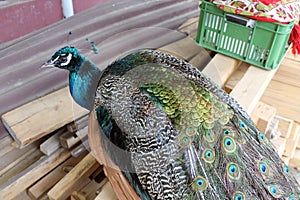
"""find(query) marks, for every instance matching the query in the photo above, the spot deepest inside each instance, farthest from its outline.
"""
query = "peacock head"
(65, 58)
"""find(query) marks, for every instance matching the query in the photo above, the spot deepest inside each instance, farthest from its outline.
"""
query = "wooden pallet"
(64, 169)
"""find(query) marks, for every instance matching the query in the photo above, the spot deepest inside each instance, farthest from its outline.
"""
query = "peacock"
(184, 136)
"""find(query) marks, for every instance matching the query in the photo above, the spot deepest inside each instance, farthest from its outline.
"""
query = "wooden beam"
(23, 180)
(6, 145)
(51, 144)
(78, 124)
(220, 68)
(200, 60)
(285, 126)
(19, 164)
(263, 116)
(295, 161)
(89, 191)
(285, 98)
(295, 132)
(15, 155)
(46, 183)
(42, 116)
(280, 145)
(66, 185)
(107, 192)
(251, 87)
(236, 77)
(69, 140)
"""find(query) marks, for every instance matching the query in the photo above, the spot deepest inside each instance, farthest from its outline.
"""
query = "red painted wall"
(21, 19)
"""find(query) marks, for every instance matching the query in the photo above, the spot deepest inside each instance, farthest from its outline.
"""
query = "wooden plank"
(289, 72)
(200, 60)
(69, 140)
(46, 183)
(285, 98)
(295, 161)
(236, 77)
(51, 144)
(285, 126)
(263, 116)
(14, 156)
(19, 164)
(81, 148)
(23, 196)
(78, 124)
(251, 87)
(273, 131)
(286, 160)
(295, 132)
(42, 116)
(107, 192)
(6, 145)
(89, 191)
(280, 145)
(220, 68)
(66, 185)
(26, 178)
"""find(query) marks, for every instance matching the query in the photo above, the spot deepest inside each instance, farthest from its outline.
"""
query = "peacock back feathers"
(186, 138)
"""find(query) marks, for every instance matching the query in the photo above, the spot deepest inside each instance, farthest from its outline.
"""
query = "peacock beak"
(48, 64)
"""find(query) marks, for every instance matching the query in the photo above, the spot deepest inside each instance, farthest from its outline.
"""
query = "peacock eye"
(63, 59)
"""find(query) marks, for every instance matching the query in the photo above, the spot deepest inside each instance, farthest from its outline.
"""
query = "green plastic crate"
(262, 44)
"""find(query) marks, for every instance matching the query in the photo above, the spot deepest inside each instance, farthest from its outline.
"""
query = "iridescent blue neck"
(83, 83)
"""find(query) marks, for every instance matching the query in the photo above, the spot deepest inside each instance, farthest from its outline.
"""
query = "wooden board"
(280, 145)
(6, 145)
(289, 72)
(236, 77)
(66, 185)
(220, 68)
(285, 126)
(107, 192)
(26, 178)
(42, 116)
(263, 116)
(52, 144)
(19, 164)
(251, 87)
(285, 98)
(89, 191)
(46, 183)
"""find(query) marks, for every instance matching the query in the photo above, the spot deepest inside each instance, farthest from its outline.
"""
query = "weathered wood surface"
(42, 116)
(30, 175)
(68, 183)
(40, 188)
